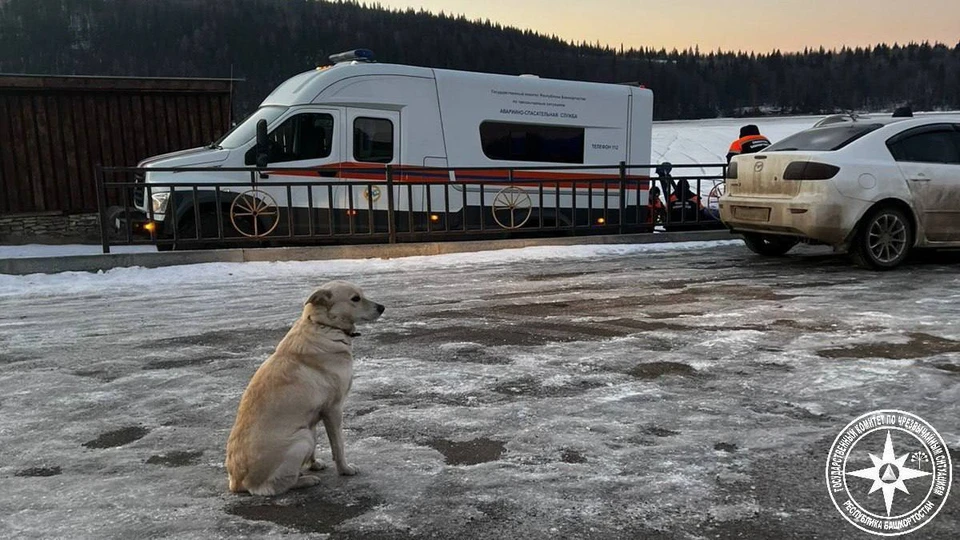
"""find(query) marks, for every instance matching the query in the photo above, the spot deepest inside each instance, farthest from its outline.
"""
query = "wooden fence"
(54, 131)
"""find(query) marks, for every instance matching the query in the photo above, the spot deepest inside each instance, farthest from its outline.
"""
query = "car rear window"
(827, 138)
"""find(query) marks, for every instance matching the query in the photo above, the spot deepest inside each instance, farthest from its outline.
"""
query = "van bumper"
(121, 220)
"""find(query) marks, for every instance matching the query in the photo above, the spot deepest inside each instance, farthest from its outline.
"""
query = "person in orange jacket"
(750, 141)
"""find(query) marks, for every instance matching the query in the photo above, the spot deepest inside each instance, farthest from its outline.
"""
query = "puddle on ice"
(39, 471)
(470, 452)
(653, 370)
(176, 458)
(119, 437)
(920, 345)
(533, 387)
(572, 456)
(309, 511)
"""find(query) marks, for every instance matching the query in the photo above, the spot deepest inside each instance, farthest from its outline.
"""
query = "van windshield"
(247, 130)
(827, 138)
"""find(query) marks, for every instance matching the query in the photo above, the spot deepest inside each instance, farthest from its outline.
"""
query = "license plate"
(751, 213)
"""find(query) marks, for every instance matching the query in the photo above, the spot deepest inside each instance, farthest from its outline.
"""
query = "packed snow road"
(580, 392)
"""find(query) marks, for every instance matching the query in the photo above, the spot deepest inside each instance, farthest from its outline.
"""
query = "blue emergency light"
(358, 55)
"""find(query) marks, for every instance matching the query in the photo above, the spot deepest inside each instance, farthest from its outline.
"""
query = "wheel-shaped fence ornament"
(512, 207)
(254, 214)
(713, 199)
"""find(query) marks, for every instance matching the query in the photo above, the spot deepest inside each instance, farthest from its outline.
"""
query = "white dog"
(272, 444)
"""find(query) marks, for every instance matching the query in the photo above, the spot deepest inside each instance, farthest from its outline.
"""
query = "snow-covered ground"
(582, 392)
(707, 141)
(46, 250)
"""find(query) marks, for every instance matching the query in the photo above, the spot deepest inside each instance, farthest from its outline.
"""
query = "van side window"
(301, 137)
(373, 140)
(940, 146)
(530, 142)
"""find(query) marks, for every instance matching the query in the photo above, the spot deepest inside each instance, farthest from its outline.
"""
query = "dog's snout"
(380, 308)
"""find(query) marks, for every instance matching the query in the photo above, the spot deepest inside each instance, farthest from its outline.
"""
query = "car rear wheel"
(769, 245)
(883, 240)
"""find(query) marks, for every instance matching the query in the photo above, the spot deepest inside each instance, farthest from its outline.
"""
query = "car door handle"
(920, 179)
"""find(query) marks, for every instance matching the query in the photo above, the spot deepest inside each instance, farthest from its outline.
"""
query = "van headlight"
(160, 202)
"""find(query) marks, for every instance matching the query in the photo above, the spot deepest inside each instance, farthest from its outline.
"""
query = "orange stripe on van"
(430, 175)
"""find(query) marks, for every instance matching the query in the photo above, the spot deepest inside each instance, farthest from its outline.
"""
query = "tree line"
(266, 41)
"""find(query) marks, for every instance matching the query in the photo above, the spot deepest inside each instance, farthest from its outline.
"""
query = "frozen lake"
(685, 391)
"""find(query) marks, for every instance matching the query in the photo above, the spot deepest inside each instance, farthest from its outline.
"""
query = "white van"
(349, 120)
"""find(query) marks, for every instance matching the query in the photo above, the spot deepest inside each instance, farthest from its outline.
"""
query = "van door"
(929, 158)
(373, 142)
(306, 137)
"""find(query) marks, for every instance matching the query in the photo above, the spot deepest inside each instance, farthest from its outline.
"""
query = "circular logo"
(889, 472)
(372, 191)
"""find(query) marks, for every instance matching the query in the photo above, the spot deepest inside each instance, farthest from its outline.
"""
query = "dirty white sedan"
(873, 187)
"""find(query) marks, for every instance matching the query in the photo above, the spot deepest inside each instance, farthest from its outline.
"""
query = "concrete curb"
(95, 263)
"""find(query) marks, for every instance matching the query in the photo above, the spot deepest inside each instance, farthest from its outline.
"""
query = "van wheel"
(883, 240)
(187, 230)
(769, 245)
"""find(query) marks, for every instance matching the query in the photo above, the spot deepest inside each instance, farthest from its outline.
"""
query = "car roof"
(906, 121)
(893, 126)
(883, 128)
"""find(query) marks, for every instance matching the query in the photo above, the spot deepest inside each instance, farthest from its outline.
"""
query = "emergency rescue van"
(341, 122)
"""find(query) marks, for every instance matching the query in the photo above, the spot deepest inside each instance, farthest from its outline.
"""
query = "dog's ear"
(321, 297)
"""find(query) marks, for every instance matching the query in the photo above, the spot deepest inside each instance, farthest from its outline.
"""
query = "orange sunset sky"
(750, 25)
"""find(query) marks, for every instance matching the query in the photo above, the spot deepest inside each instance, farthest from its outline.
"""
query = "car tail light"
(809, 170)
(732, 170)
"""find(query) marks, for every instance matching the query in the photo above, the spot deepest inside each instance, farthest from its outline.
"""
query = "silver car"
(872, 187)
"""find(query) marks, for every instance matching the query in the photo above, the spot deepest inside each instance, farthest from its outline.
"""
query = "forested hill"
(266, 41)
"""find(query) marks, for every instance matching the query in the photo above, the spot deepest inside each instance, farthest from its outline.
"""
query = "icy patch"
(67, 250)
(730, 512)
(813, 408)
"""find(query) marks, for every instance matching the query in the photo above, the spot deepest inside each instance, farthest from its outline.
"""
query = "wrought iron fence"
(204, 207)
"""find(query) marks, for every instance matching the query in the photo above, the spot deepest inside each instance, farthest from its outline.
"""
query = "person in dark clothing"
(750, 141)
(684, 203)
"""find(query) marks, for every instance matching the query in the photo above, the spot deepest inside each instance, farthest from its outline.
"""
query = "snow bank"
(135, 277)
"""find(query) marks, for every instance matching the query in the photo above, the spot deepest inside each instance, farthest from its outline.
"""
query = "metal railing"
(202, 207)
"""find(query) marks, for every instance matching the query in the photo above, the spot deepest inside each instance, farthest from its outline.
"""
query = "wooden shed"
(55, 130)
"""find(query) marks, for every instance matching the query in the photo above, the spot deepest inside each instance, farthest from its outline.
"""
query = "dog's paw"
(317, 466)
(347, 470)
(310, 480)
(306, 480)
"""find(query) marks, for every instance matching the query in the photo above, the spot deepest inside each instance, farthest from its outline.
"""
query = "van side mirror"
(263, 145)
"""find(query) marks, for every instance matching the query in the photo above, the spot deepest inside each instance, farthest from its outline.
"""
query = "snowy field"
(707, 141)
(661, 392)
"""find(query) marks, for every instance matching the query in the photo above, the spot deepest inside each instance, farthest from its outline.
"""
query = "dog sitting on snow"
(305, 381)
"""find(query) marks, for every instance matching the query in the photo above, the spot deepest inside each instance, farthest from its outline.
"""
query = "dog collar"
(348, 334)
